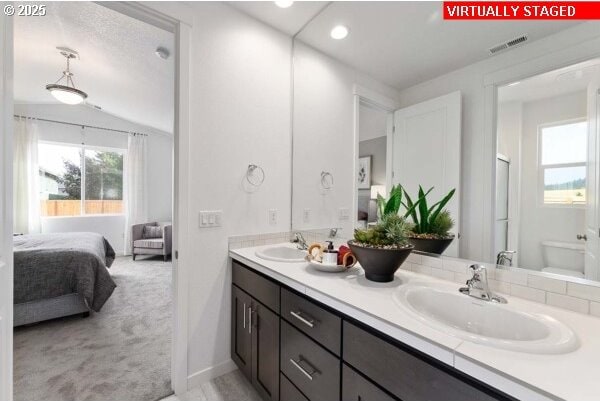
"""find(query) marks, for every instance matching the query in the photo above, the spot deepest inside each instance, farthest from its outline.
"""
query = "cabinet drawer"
(402, 373)
(261, 288)
(318, 323)
(357, 388)
(288, 391)
(308, 365)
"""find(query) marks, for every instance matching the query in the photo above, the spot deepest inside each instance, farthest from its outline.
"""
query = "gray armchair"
(151, 239)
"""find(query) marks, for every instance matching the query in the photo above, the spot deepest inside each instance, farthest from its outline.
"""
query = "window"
(563, 160)
(80, 180)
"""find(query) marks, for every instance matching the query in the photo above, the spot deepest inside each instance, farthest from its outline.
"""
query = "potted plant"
(382, 248)
(432, 224)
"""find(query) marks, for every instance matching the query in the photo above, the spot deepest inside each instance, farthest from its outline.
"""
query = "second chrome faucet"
(478, 286)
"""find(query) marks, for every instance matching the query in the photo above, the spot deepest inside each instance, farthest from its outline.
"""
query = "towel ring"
(255, 175)
(326, 180)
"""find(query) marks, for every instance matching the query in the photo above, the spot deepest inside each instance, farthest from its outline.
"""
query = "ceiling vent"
(509, 44)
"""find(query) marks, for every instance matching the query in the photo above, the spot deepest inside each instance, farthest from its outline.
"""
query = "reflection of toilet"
(563, 258)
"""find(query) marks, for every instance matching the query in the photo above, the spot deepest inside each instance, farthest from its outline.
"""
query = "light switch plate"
(306, 216)
(344, 213)
(272, 217)
(210, 218)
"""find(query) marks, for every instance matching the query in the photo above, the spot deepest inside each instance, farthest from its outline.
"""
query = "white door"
(426, 151)
(592, 245)
(6, 278)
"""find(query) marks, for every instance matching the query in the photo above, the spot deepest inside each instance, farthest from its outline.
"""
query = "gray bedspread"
(51, 265)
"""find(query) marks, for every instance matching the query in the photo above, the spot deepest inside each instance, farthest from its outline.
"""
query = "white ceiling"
(288, 20)
(400, 43)
(118, 68)
(554, 83)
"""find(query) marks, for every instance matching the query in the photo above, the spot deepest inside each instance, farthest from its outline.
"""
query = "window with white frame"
(563, 163)
(80, 180)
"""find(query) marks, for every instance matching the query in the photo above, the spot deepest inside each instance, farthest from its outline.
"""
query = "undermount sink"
(282, 254)
(488, 323)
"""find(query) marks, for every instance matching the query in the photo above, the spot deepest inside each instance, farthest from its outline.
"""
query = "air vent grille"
(507, 45)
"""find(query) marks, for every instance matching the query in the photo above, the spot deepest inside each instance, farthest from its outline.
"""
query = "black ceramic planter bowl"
(431, 245)
(380, 264)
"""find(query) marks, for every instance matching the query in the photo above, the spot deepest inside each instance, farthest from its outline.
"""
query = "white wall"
(470, 81)
(324, 137)
(240, 114)
(159, 163)
(545, 223)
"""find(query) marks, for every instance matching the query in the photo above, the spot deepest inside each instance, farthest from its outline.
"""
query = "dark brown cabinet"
(265, 351)
(255, 331)
(241, 337)
(293, 348)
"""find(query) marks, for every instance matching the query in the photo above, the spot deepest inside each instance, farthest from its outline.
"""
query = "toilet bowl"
(565, 258)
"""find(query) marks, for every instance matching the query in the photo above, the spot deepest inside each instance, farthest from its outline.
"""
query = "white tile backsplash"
(595, 308)
(583, 291)
(567, 302)
(547, 284)
(533, 286)
(532, 294)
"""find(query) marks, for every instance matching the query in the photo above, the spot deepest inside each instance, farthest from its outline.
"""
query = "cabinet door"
(265, 351)
(241, 334)
(357, 388)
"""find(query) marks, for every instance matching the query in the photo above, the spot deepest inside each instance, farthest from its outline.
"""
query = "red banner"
(521, 10)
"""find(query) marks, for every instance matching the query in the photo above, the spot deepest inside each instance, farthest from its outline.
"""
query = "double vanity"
(301, 334)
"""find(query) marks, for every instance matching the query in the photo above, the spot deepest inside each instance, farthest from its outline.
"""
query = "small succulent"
(391, 230)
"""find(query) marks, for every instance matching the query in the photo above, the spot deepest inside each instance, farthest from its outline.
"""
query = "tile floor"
(230, 387)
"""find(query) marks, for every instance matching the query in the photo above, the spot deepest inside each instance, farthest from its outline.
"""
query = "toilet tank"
(564, 255)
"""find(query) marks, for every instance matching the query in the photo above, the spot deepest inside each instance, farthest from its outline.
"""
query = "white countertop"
(528, 377)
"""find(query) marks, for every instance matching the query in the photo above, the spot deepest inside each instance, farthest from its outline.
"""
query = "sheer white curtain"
(136, 196)
(26, 178)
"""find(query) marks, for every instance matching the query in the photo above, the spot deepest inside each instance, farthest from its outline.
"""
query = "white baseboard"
(202, 376)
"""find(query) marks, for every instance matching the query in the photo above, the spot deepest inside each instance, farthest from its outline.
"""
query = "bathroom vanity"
(301, 334)
(293, 348)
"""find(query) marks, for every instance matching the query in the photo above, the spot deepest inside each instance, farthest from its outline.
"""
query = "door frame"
(162, 15)
(382, 102)
(6, 215)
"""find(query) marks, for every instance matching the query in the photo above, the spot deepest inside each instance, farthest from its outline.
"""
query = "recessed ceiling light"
(284, 3)
(514, 83)
(162, 52)
(339, 32)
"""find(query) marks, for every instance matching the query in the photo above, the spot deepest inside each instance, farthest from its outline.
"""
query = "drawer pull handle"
(307, 321)
(306, 373)
(244, 315)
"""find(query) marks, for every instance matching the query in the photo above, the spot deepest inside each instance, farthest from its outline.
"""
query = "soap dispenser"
(330, 255)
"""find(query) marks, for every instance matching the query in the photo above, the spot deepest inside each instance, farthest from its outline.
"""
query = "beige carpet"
(119, 354)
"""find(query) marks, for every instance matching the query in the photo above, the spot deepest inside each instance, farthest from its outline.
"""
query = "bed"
(60, 274)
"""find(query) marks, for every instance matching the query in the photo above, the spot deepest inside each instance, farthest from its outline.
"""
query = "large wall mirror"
(519, 151)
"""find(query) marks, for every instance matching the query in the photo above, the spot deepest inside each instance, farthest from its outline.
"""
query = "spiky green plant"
(434, 220)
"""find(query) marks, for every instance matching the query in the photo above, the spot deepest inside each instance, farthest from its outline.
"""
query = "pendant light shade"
(67, 93)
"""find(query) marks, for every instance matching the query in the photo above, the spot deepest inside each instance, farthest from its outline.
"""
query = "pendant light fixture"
(67, 93)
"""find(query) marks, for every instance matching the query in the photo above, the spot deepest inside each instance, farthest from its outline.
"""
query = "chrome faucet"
(505, 258)
(300, 241)
(477, 286)
(333, 232)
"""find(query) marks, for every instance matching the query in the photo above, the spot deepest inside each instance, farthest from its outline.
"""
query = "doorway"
(178, 322)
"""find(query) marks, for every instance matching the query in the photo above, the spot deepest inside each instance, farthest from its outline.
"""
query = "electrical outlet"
(210, 218)
(344, 213)
(306, 216)
(272, 217)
